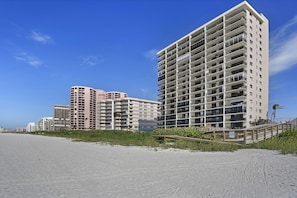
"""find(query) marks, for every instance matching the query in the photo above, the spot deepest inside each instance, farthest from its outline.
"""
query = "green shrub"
(285, 143)
(181, 131)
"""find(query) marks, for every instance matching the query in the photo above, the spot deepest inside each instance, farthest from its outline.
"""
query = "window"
(251, 71)
(251, 93)
(251, 56)
(251, 64)
(260, 49)
(251, 86)
(251, 49)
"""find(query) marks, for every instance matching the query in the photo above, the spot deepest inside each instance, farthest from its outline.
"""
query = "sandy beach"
(37, 166)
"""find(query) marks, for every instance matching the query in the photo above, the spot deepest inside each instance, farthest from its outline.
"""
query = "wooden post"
(214, 134)
(253, 135)
(257, 134)
(277, 130)
(224, 135)
(271, 132)
(244, 136)
(264, 133)
(282, 127)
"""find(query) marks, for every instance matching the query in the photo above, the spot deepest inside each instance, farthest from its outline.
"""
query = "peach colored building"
(217, 75)
(83, 101)
(97, 109)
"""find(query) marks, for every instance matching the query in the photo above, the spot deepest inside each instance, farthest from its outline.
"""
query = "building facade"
(83, 101)
(61, 117)
(120, 112)
(31, 127)
(217, 75)
(96, 109)
(46, 124)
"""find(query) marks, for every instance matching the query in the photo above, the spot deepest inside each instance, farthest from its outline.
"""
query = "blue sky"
(48, 46)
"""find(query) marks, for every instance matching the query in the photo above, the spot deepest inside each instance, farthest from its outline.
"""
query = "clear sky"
(47, 46)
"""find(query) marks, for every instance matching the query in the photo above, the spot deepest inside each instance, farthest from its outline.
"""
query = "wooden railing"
(234, 136)
(250, 135)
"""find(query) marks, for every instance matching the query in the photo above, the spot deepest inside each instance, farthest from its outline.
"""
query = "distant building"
(120, 112)
(83, 102)
(61, 117)
(96, 109)
(31, 127)
(217, 75)
(46, 124)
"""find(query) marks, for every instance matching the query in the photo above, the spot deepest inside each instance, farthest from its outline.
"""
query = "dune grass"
(286, 143)
(112, 137)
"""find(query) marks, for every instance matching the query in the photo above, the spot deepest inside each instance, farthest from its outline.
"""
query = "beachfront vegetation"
(286, 142)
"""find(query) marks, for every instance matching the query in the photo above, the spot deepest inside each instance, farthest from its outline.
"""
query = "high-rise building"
(83, 102)
(46, 124)
(120, 112)
(31, 127)
(217, 75)
(96, 109)
(61, 117)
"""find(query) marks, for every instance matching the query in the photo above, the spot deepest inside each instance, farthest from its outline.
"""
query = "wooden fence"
(235, 136)
(250, 135)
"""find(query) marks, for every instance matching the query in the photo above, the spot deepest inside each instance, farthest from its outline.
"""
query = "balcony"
(214, 119)
(235, 15)
(238, 39)
(197, 44)
(215, 25)
(183, 122)
(238, 109)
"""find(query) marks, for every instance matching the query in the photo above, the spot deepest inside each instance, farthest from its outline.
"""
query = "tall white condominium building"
(83, 107)
(61, 117)
(31, 127)
(120, 112)
(217, 75)
(46, 124)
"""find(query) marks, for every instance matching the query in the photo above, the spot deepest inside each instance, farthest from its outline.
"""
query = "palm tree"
(275, 107)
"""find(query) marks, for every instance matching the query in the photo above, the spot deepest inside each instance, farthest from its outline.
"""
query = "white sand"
(36, 166)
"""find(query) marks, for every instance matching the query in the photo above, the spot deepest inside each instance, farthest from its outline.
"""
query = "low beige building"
(61, 117)
(120, 112)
